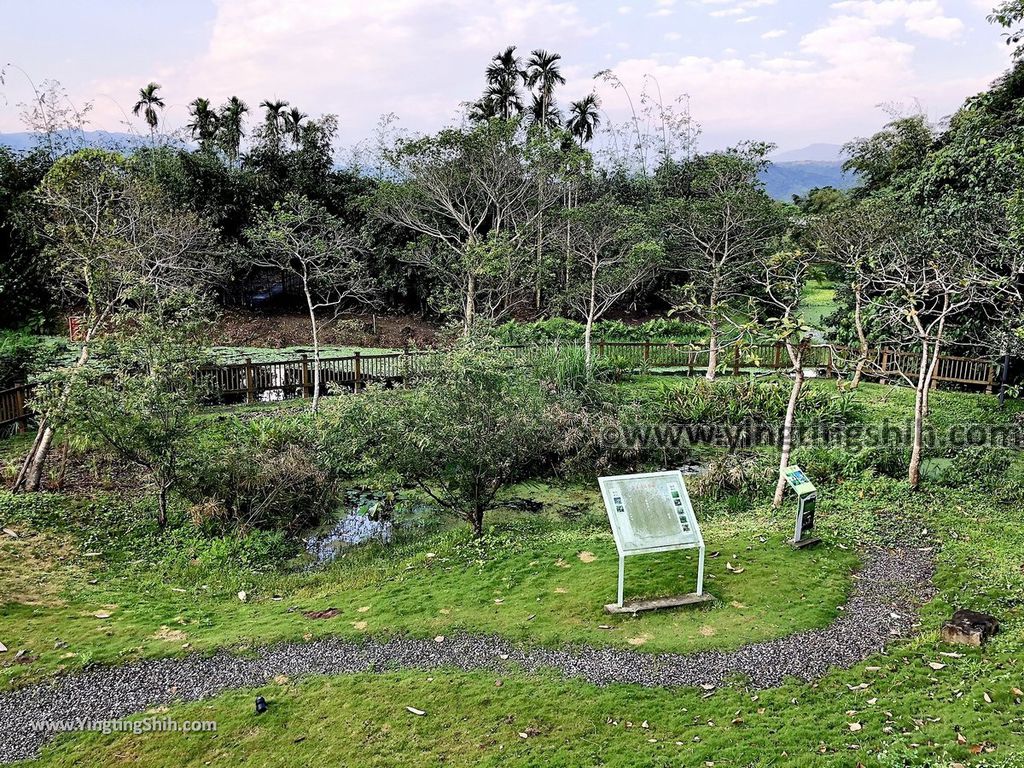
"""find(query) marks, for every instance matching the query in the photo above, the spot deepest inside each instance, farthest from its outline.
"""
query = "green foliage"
(750, 402)
(270, 473)
(23, 353)
(469, 426)
(563, 329)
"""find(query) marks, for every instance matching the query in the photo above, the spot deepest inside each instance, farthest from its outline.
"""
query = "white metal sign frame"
(677, 524)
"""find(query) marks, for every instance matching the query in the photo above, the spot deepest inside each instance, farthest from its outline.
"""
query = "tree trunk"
(161, 515)
(914, 471)
(316, 347)
(591, 316)
(858, 321)
(712, 353)
(30, 478)
(787, 427)
(470, 310)
(477, 521)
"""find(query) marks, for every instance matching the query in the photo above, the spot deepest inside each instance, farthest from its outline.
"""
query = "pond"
(365, 516)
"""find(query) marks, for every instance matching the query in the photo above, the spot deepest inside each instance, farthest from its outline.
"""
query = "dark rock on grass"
(883, 607)
(969, 628)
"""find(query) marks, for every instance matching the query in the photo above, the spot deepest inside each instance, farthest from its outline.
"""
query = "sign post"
(807, 497)
(651, 513)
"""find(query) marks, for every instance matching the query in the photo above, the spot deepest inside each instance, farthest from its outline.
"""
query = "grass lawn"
(535, 578)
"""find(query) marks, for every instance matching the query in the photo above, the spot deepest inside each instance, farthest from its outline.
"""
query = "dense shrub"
(264, 473)
(23, 353)
(738, 402)
(561, 329)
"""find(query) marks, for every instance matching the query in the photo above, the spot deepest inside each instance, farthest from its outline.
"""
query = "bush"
(737, 402)
(561, 329)
(22, 354)
(267, 473)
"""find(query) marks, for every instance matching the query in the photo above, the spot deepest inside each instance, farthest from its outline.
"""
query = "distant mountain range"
(792, 173)
(798, 171)
(21, 142)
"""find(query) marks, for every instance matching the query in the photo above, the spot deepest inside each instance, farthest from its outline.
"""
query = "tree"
(584, 117)
(24, 271)
(274, 120)
(470, 195)
(612, 252)
(928, 282)
(231, 119)
(203, 125)
(302, 238)
(719, 231)
(148, 104)
(782, 277)
(113, 246)
(1009, 14)
(472, 425)
(892, 154)
(143, 402)
(293, 124)
(504, 75)
(858, 239)
(544, 74)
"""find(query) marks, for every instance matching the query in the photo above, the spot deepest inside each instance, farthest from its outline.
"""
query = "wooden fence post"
(22, 423)
(828, 362)
(885, 362)
(405, 365)
(689, 360)
(778, 355)
(305, 377)
(990, 385)
(357, 367)
(647, 350)
(250, 384)
(736, 360)
(600, 347)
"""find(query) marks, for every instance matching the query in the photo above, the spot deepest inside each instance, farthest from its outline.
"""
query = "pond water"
(366, 516)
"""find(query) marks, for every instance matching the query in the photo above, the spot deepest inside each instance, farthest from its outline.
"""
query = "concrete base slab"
(661, 603)
(804, 543)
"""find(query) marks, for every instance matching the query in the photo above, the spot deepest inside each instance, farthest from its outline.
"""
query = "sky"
(793, 72)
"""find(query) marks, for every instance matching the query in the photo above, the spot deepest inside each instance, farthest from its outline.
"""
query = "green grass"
(536, 579)
(819, 301)
(909, 714)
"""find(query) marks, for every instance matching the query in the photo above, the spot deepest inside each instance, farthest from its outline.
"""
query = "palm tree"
(543, 73)
(548, 116)
(230, 120)
(584, 117)
(293, 124)
(204, 122)
(481, 110)
(504, 74)
(149, 102)
(274, 118)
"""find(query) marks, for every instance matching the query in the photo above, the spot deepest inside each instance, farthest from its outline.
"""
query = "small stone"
(3, 648)
(243, 596)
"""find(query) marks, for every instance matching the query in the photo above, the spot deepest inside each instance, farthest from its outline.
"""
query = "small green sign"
(799, 482)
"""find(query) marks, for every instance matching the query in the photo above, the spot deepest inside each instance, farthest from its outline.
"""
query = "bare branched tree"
(300, 237)
(114, 245)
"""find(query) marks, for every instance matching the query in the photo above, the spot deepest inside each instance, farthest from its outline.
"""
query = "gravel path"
(886, 596)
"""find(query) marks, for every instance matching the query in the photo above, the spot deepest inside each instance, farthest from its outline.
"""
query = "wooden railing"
(14, 406)
(254, 381)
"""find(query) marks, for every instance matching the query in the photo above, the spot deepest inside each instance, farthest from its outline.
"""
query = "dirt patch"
(170, 635)
(587, 557)
(639, 640)
(34, 568)
(328, 613)
(239, 327)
